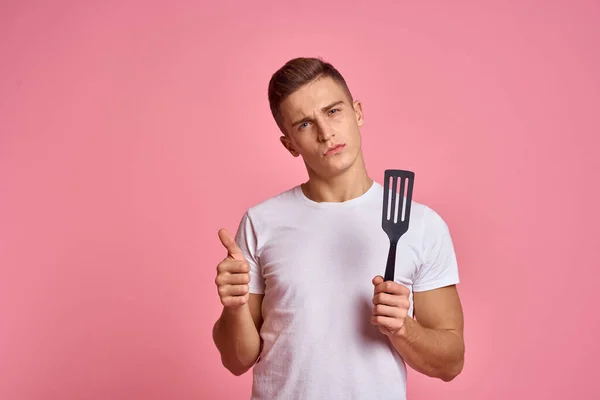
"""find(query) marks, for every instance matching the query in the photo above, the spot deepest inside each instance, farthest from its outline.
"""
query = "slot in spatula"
(396, 212)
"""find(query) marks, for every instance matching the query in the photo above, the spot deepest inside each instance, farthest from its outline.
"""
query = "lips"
(335, 149)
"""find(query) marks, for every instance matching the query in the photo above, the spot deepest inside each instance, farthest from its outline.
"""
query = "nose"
(324, 131)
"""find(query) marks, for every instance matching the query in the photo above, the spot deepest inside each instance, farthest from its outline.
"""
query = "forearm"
(237, 339)
(435, 353)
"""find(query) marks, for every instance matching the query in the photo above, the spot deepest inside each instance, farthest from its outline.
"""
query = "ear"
(358, 112)
(287, 143)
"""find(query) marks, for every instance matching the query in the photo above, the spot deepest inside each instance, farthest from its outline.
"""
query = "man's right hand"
(233, 274)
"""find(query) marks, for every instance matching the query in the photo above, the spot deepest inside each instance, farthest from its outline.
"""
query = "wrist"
(407, 330)
(237, 311)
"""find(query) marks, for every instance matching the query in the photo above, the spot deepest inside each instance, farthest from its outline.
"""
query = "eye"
(303, 125)
(334, 110)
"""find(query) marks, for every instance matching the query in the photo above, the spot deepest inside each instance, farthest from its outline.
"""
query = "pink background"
(130, 133)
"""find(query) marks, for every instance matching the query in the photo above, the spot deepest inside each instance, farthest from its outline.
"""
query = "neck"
(352, 183)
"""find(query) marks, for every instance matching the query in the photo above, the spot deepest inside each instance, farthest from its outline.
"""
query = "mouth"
(334, 149)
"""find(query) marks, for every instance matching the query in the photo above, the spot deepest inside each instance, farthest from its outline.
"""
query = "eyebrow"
(324, 109)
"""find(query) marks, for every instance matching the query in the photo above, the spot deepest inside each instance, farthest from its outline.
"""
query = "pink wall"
(111, 195)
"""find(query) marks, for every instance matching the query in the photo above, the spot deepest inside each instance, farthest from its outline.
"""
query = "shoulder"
(273, 208)
(433, 222)
(261, 221)
(429, 227)
(436, 239)
(426, 220)
(274, 203)
(422, 215)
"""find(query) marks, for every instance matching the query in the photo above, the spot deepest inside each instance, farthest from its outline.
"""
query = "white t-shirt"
(314, 263)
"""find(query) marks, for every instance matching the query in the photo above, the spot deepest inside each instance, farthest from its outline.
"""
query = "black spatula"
(396, 212)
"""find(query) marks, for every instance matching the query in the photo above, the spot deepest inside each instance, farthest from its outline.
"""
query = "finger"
(232, 279)
(233, 250)
(392, 288)
(233, 267)
(377, 280)
(391, 324)
(233, 290)
(388, 311)
(391, 300)
(235, 301)
(389, 287)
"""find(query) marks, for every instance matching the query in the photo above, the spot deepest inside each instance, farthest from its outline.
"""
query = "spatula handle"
(391, 262)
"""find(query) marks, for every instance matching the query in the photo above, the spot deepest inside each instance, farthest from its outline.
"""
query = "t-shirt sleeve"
(246, 239)
(439, 267)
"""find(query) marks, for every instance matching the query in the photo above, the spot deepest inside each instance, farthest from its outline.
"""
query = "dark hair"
(296, 73)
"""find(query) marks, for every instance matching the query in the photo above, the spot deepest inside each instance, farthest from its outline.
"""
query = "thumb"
(377, 280)
(233, 250)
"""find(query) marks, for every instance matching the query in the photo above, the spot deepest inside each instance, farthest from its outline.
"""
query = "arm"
(433, 342)
(236, 335)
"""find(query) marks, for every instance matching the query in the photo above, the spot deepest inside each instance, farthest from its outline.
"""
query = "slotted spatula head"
(396, 206)
(396, 211)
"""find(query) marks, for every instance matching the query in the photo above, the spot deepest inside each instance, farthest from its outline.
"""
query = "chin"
(334, 165)
(335, 169)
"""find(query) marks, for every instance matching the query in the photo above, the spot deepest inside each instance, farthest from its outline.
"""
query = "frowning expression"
(322, 125)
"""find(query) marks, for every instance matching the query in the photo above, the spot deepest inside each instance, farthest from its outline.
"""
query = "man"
(304, 302)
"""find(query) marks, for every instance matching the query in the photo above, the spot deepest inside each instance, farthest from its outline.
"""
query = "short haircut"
(296, 73)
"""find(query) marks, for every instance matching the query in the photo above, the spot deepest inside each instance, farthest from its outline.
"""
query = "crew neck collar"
(371, 191)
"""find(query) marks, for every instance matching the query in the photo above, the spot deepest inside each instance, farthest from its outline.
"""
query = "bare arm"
(433, 343)
(236, 332)
(236, 335)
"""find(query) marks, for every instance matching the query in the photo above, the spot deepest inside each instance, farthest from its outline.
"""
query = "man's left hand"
(390, 306)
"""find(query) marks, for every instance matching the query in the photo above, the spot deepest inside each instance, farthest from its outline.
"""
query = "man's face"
(323, 127)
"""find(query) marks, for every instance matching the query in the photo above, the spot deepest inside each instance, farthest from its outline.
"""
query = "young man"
(304, 301)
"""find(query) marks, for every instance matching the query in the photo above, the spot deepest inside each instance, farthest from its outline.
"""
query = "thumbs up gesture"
(233, 274)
